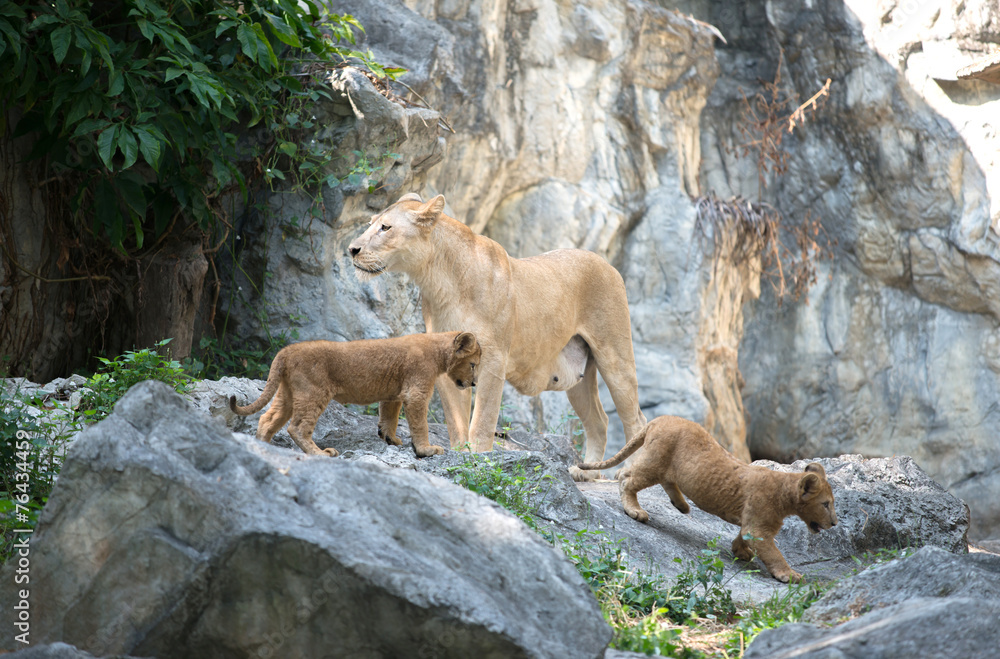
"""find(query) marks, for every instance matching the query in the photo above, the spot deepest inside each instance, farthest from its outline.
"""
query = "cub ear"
(429, 212)
(465, 343)
(816, 468)
(809, 486)
(410, 196)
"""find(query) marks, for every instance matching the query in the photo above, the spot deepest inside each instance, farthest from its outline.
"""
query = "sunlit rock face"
(898, 348)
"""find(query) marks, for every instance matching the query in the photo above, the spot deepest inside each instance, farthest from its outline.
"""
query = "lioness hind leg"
(676, 497)
(586, 403)
(276, 416)
(388, 421)
(616, 363)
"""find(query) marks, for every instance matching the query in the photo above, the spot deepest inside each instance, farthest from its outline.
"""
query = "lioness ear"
(816, 468)
(809, 486)
(410, 196)
(429, 212)
(465, 343)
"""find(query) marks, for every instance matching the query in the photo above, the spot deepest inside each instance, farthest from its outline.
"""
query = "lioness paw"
(583, 475)
(428, 451)
(332, 452)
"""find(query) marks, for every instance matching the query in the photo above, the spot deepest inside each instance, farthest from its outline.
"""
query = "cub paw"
(792, 577)
(638, 515)
(428, 451)
(583, 475)
(389, 437)
(332, 452)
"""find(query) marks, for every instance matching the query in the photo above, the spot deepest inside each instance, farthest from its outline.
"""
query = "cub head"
(815, 499)
(464, 362)
(397, 238)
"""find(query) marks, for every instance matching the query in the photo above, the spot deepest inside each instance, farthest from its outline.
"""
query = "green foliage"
(118, 375)
(700, 590)
(216, 359)
(519, 491)
(139, 103)
(31, 454)
(651, 638)
(783, 607)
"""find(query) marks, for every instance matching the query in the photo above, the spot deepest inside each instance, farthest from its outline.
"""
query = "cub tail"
(271, 388)
(633, 445)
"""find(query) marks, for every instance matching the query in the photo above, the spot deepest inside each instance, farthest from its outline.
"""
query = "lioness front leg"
(416, 416)
(489, 393)
(388, 421)
(457, 406)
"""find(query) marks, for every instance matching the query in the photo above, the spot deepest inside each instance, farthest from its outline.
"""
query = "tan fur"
(682, 457)
(397, 373)
(546, 322)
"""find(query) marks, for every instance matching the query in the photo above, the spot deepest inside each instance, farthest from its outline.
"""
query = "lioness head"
(465, 360)
(396, 238)
(815, 504)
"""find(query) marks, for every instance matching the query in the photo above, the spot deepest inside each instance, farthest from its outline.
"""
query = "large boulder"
(169, 536)
(931, 604)
(929, 572)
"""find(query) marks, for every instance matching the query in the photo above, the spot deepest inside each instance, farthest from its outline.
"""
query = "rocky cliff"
(597, 124)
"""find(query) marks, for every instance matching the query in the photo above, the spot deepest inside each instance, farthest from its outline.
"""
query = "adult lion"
(538, 319)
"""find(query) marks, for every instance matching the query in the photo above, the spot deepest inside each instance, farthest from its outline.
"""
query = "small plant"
(783, 607)
(32, 449)
(700, 591)
(519, 491)
(118, 375)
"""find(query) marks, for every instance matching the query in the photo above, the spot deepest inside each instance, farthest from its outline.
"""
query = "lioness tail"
(271, 388)
(633, 445)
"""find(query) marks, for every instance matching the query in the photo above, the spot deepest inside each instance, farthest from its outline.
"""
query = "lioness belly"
(561, 373)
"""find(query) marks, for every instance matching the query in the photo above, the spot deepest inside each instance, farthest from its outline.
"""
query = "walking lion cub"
(397, 373)
(683, 458)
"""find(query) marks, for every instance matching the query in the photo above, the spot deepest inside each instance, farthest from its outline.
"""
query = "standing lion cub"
(397, 373)
(682, 457)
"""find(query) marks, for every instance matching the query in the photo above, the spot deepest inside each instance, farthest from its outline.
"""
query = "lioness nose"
(354, 250)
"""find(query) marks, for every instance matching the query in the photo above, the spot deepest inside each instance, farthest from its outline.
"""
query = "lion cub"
(397, 373)
(681, 456)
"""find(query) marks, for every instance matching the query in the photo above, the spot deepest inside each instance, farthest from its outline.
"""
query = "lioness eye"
(826, 504)
(385, 227)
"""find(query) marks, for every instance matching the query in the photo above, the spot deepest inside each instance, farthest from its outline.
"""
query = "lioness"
(539, 319)
(683, 458)
(396, 373)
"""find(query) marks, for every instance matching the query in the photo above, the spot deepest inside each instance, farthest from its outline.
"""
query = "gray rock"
(930, 572)
(882, 503)
(58, 651)
(169, 536)
(886, 503)
(924, 627)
